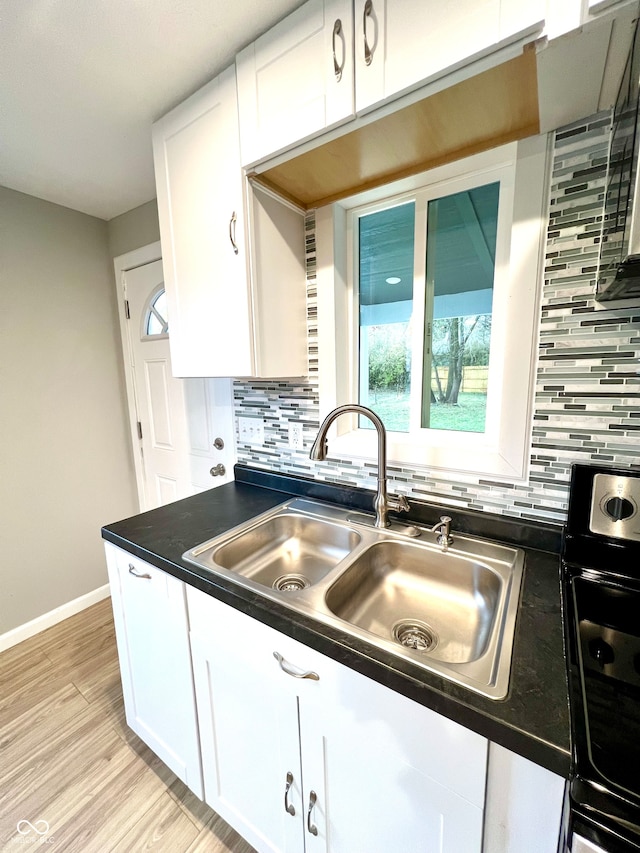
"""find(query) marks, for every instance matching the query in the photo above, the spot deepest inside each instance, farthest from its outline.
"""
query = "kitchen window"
(428, 305)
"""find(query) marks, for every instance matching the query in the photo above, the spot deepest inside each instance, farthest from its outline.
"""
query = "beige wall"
(65, 452)
(131, 230)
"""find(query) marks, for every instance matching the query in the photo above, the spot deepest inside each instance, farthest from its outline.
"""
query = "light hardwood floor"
(69, 761)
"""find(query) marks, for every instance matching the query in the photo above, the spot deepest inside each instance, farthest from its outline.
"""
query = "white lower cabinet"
(300, 753)
(524, 805)
(150, 614)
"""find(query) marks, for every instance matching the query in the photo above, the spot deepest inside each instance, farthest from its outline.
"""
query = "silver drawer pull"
(232, 232)
(337, 67)
(313, 829)
(287, 805)
(137, 573)
(368, 9)
(285, 666)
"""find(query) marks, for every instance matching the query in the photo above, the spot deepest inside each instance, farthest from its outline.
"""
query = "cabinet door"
(248, 720)
(150, 617)
(379, 771)
(532, 16)
(200, 206)
(388, 774)
(289, 88)
(400, 44)
(524, 805)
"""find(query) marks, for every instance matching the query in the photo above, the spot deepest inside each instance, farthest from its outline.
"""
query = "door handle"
(218, 470)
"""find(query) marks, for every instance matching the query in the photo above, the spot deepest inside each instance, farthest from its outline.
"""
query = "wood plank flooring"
(70, 768)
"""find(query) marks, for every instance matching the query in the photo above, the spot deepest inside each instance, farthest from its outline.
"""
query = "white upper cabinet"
(296, 80)
(332, 60)
(235, 289)
(407, 41)
(400, 44)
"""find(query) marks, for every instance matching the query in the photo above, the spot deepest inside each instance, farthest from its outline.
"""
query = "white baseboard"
(29, 629)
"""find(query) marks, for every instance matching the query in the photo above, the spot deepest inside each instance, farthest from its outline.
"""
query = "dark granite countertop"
(532, 721)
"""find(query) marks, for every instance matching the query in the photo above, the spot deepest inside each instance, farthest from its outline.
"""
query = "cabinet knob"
(601, 651)
(218, 470)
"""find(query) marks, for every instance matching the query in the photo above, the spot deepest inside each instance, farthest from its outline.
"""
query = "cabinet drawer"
(251, 643)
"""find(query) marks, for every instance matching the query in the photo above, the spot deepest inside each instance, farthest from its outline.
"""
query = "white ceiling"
(81, 82)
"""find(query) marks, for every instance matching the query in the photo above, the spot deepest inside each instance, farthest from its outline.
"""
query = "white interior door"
(182, 429)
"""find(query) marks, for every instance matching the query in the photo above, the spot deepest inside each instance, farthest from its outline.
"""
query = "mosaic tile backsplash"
(587, 398)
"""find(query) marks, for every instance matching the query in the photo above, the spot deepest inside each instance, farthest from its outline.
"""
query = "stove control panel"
(615, 506)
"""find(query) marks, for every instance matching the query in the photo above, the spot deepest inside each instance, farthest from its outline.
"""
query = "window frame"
(502, 451)
(421, 196)
(148, 311)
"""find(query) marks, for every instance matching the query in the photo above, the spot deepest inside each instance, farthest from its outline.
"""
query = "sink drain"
(290, 583)
(415, 635)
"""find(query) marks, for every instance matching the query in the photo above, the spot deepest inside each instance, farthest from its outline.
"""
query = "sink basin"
(449, 612)
(429, 601)
(288, 552)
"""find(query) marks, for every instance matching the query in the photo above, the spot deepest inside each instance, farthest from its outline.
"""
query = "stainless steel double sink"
(451, 612)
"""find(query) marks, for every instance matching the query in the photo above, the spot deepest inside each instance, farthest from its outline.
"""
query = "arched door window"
(154, 319)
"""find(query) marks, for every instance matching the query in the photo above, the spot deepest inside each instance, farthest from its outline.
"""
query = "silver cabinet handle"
(313, 829)
(337, 31)
(368, 9)
(232, 232)
(137, 573)
(218, 470)
(287, 805)
(285, 666)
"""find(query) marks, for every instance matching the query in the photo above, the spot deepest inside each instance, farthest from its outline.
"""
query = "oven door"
(581, 845)
(603, 627)
(587, 837)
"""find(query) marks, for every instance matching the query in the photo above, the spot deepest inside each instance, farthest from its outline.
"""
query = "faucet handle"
(398, 503)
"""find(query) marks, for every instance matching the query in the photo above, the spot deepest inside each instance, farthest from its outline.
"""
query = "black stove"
(601, 571)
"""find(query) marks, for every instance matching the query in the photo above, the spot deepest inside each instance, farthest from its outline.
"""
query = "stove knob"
(601, 651)
(619, 508)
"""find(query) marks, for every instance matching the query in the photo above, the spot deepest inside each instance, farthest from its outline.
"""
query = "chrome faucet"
(382, 502)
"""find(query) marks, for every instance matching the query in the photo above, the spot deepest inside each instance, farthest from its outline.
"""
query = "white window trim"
(503, 451)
